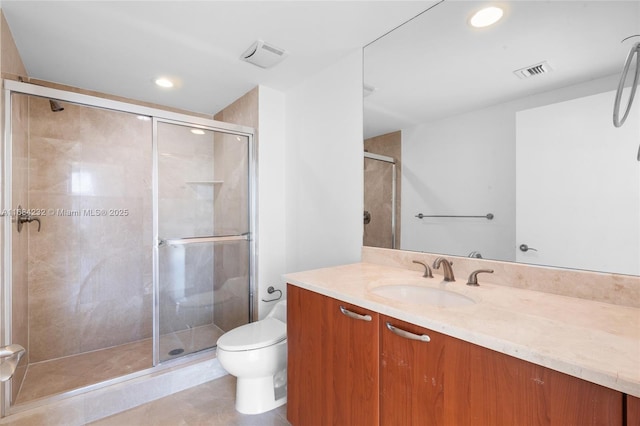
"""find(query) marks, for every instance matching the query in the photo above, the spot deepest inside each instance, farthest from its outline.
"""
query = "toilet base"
(259, 395)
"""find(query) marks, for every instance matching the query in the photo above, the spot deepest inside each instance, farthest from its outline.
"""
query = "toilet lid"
(255, 335)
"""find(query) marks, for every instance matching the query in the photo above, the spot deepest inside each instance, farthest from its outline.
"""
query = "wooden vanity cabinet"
(411, 374)
(633, 410)
(333, 372)
(346, 371)
(485, 387)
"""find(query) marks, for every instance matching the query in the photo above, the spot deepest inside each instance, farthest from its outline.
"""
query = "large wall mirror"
(502, 137)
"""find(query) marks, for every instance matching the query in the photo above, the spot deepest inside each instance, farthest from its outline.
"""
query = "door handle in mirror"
(367, 217)
(525, 248)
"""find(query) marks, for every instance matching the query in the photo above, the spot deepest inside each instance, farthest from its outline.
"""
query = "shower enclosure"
(380, 204)
(127, 238)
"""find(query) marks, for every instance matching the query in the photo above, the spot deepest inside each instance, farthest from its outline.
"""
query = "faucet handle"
(473, 277)
(427, 269)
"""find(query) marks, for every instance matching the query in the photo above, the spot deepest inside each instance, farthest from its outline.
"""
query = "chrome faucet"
(446, 268)
(427, 270)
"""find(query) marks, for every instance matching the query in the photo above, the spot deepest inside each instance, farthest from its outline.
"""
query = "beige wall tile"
(89, 276)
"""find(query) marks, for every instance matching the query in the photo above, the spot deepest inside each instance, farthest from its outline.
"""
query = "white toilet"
(256, 353)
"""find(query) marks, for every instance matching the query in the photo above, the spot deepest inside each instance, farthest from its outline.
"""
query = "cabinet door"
(633, 410)
(485, 387)
(355, 382)
(307, 368)
(411, 374)
(333, 361)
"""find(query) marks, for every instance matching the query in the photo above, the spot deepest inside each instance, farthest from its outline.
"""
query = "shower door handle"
(9, 359)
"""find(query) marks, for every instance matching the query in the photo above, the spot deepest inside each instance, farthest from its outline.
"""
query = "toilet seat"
(255, 335)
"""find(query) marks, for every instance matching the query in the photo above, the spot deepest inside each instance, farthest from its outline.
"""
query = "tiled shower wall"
(90, 272)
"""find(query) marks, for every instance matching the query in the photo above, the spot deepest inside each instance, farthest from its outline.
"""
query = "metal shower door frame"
(212, 125)
(10, 87)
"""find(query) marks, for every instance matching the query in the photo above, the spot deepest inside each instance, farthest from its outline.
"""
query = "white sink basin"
(420, 295)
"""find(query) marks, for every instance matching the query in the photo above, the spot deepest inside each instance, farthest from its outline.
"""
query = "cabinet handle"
(408, 335)
(354, 315)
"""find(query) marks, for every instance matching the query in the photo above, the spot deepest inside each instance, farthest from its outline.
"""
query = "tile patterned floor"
(211, 403)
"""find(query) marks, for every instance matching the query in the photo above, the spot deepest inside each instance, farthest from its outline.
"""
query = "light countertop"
(595, 341)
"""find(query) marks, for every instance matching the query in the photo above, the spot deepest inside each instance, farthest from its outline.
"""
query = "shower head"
(55, 106)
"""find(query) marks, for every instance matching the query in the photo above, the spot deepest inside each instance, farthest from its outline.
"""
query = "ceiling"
(436, 65)
(120, 47)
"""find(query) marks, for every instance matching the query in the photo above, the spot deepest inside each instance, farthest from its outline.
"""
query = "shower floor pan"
(60, 375)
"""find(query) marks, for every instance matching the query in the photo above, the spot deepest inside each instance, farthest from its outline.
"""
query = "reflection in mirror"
(381, 188)
(514, 119)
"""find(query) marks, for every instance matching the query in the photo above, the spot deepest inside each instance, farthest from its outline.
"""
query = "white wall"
(588, 218)
(460, 166)
(466, 165)
(271, 195)
(324, 167)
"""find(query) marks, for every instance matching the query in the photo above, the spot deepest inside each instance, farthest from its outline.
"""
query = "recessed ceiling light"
(197, 131)
(163, 82)
(485, 17)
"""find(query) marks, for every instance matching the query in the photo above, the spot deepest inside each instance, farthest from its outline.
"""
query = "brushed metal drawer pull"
(408, 335)
(354, 315)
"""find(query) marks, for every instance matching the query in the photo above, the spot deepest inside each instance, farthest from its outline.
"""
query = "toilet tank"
(279, 311)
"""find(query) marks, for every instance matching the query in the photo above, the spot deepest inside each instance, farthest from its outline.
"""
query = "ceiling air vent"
(533, 70)
(263, 54)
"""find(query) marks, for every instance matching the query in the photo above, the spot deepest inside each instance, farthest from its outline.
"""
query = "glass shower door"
(77, 247)
(204, 249)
